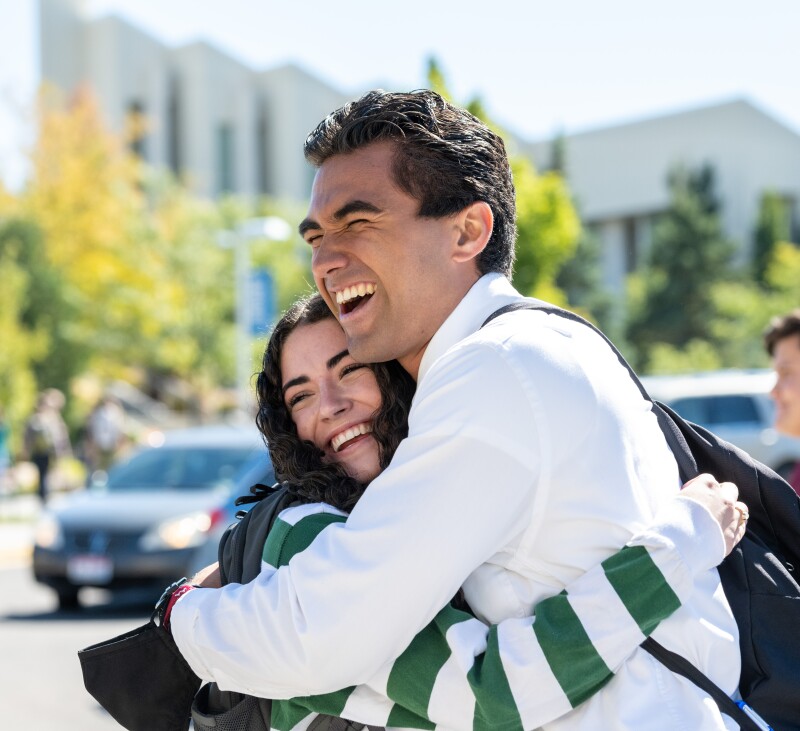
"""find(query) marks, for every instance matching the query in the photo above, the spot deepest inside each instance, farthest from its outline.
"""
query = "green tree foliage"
(23, 344)
(771, 228)
(689, 255)
(45, 310)
(548, 230)
(115, 270)
(580, 278)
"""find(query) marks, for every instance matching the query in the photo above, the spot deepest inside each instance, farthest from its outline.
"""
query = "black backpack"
(759, 577)
(240, 550)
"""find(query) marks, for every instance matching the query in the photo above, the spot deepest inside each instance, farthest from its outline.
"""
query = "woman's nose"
(333, 402)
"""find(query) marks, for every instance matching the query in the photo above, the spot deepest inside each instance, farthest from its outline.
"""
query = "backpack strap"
(740, 712)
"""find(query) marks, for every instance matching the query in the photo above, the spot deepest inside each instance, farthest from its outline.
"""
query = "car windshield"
(180, 468)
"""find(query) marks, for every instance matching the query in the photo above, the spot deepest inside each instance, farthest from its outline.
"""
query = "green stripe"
(304, 533)
(576, 665)
(413, 674)
(285, 540)
(495, 707)
(274, 543)
(641, 586)
(287, 714)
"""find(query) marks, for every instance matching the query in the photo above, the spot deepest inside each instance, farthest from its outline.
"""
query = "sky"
(541, 68)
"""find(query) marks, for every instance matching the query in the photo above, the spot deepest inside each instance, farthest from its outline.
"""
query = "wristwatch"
(163, 606)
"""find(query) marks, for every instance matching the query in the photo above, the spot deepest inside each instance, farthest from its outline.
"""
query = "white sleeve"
(371, 584)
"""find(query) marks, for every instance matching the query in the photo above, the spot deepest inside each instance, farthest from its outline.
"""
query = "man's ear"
(475, 228)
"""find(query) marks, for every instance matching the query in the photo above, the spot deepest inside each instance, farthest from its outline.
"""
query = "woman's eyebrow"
(336, 358)
(294, 382)
(330, 363)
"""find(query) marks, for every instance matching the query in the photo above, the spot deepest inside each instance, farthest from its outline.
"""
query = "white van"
(735, 405)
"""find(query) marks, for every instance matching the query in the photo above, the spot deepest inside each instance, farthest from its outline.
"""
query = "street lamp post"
(269, 228)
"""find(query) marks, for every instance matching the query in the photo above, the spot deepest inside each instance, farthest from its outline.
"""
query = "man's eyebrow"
(308, 224)
(356, 206)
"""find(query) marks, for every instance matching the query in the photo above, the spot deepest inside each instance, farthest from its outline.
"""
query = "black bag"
(759, 577)
(240, 550)
(141, 679)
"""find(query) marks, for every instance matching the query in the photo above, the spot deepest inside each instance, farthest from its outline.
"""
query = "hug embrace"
(485, 521)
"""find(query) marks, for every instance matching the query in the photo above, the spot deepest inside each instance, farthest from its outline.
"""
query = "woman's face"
(331, 397)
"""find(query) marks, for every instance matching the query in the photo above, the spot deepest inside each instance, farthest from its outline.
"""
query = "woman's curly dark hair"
(298, 462)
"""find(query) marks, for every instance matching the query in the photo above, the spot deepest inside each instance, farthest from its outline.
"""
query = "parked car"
(736, 406)
(146, 522)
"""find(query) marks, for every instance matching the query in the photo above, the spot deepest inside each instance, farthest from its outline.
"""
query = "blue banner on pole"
(262, 301)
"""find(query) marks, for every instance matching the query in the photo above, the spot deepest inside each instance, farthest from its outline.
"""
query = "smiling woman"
(332, 423)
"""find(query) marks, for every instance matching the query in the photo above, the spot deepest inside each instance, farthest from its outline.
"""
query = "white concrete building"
(219, 124)
(619, 175)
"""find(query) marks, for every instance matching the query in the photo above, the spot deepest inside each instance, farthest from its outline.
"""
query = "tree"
(772, 227)
(689, 255)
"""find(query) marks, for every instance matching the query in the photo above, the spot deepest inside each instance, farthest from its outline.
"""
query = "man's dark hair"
(300, 462)
(445, 158)
(780, 328)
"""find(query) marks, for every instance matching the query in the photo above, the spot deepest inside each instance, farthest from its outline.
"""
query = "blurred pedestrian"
(782, 341)
(105, 433)
(5, 451)
(46, 438)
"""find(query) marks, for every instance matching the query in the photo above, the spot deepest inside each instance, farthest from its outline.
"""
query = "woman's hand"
(209, 578)
(721, 499)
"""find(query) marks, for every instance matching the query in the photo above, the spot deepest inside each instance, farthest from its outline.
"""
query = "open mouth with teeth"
(348, 436)
(352, 297)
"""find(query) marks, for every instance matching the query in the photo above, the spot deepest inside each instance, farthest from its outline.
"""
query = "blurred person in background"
(105, 433)
(782, 341)
(46, 438)
(5, 452)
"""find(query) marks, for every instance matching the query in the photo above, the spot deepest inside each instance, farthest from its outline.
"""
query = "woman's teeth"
(349, 434)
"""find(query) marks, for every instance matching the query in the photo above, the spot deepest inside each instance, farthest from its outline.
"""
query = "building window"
(174, 129)
(261, 152)
(631, 245)
(225, 159)
(137, 129)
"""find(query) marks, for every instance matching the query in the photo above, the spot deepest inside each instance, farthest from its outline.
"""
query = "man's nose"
(327, 258)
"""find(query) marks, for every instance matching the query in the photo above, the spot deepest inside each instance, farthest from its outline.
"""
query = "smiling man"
(531, 457)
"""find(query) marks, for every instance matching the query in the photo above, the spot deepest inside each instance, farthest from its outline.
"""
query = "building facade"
(618, 175)
(219, 125)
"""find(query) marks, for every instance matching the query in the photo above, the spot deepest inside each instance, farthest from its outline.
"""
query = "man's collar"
(489, 293)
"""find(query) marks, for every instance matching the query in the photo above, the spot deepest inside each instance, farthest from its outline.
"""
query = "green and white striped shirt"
(459, 673)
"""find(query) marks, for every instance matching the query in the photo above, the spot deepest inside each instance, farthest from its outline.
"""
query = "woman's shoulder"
(295, 529)
(294, 514)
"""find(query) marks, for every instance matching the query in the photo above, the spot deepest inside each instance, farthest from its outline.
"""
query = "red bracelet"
(177, 594)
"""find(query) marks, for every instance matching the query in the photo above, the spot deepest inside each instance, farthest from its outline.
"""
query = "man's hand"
(209, 578)
(721, 500)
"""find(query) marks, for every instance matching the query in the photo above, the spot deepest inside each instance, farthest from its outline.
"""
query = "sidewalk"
(18, 514)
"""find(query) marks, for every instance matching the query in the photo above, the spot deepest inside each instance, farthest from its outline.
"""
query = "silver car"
(147, 523)
(736, 406)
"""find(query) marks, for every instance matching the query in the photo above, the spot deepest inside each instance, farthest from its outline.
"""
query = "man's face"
(387, 274)
(786, 393)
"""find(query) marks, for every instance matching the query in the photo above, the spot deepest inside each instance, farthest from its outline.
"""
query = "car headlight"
(48, 533)
(185, 531)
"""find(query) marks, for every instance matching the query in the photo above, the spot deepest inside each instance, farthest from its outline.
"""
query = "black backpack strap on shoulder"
(743, 714)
